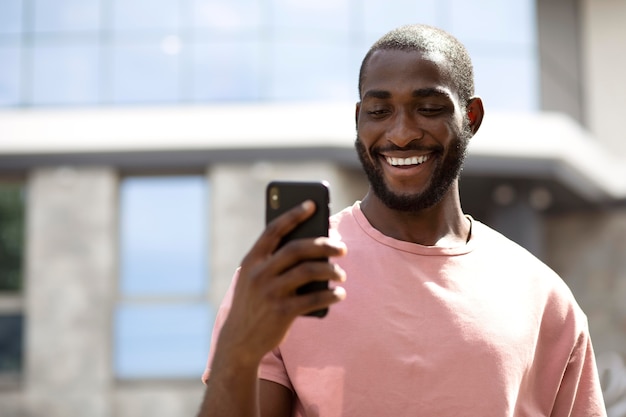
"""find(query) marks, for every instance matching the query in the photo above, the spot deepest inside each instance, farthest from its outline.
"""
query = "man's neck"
(443, 224)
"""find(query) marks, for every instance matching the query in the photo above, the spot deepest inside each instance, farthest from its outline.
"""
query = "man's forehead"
(392, 64)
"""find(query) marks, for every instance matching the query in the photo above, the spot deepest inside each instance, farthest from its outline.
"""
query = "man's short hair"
(429, 40)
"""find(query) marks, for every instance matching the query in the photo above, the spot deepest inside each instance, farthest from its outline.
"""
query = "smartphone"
(283, 195)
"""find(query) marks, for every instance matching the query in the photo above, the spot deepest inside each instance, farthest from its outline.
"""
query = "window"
(11, 276)
(11, 237)
(227, 71)
(66, 15)
(11, 343)
(163, 319)
(10, 16)
(146, 71)
(65, 73)
(9, 75)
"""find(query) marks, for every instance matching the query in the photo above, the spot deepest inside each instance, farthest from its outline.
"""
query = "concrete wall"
(604, 66)
(70, 287)
(559, 31)
(588, 250)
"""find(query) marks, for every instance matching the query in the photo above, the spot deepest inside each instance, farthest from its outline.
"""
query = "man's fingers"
(302, 250)
(307, 272)
(302, 304)
(280, 227)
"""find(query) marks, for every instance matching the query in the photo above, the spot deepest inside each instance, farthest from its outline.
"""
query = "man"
(443, 316)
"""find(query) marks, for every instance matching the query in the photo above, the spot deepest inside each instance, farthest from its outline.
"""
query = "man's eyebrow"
(431, 92)
(419, 93)
(381, 94)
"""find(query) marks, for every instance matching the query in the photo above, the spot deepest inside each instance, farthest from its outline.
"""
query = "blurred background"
(136, 139)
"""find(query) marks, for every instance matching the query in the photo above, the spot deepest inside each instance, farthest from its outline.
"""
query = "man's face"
(412, 136)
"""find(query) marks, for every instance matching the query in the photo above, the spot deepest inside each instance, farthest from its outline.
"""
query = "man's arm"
(264, 306)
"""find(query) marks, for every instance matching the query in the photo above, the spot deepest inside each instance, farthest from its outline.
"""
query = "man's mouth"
(414, 160)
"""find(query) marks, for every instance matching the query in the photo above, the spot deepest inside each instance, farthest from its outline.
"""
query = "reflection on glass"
(146, 72)
(163, 236)
(379, 17)
(227, 16)
(312, 71)
(508, 83)
(321, 15)
(10, 16)
(65, 74)
(137, 15)
(504, 22)
(9, 75)
(162, 341)
(227, 71)
(66, 15)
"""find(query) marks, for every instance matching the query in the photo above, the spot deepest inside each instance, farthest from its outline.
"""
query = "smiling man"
(443, 315)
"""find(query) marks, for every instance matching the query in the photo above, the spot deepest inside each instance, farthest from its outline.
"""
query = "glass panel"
(9, 75)
(511, 21)
(145, 15)
(380, 17)
(66, 15)
(10, 16)
(11, 343)
(146, 73)
(66, 74)
(11, 237)
(322, 16)
(507, 82)
(312, 71)
(227, 71)
(226, 16)
(162, 341)
(163, 236)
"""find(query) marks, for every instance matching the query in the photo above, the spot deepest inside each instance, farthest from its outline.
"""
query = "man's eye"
(430, 110)
(377, 112)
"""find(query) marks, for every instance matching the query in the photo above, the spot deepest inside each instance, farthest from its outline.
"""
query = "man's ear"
(475, 113)
(356, 113)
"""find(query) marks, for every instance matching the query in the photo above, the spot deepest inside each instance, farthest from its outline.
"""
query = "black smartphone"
(281, 196)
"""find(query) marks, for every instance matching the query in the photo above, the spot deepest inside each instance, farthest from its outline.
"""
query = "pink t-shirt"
(484, 329)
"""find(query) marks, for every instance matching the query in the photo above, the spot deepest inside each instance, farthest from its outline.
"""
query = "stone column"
(70, 287)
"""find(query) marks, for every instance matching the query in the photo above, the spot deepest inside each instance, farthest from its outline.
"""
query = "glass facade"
(118, 52)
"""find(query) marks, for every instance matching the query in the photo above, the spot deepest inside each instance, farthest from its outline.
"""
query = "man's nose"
(404, 129)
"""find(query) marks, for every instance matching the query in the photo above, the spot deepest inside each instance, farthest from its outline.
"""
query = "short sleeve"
(220, 318)
(273, 369)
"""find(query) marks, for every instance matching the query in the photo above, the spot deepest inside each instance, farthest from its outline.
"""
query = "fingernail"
(340, 293)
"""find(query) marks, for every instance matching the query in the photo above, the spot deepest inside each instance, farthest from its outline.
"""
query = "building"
(113, 110)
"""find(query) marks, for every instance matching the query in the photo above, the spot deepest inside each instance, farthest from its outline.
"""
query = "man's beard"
(446, 171)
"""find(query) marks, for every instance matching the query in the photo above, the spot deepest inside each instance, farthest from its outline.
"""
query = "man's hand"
(264, 306)
(265, 303)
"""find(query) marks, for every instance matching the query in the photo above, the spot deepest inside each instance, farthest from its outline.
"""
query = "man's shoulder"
(501, 248)
(347, 214)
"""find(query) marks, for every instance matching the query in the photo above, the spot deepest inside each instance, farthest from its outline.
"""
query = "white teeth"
(416, 160)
